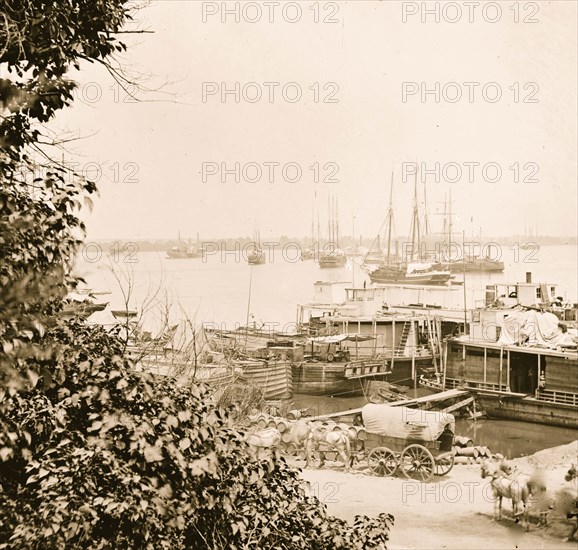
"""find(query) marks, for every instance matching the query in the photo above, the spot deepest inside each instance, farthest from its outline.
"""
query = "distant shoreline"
(162, 245)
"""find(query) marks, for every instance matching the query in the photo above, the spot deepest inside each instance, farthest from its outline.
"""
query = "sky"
(349, 108)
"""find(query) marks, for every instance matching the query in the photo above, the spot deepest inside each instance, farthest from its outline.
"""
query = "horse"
(571, 473)
(269, 438)
(338, 441)
(506, 482)
(572, 503)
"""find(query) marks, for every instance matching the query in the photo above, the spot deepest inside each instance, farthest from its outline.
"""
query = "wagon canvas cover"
(404, 422)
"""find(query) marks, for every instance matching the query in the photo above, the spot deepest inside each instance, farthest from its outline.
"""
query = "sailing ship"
(256, 255)
(392, 269)
(184, 250)
(309, 252)
(332, 255)
(469, 263)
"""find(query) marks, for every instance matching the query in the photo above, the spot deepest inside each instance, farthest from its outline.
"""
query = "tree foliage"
(94, 453)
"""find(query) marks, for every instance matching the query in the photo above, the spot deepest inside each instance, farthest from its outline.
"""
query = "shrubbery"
(97, 454)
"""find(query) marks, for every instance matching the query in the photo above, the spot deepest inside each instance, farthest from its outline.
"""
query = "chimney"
(528, 276)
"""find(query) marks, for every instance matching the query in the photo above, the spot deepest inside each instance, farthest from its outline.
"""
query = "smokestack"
(528, 276)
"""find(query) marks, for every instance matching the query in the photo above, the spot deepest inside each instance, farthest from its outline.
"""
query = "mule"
(572, 506)
(267, 439)
(571, 473)
(506, 483)
(329, 441)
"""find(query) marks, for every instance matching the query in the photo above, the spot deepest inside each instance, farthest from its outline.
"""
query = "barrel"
(272, 424)
(291, 449)
(252, 419)
(462, 460)
(262, 421)
(281, 425)
(468, 451)
(294, 414)
(361, 434)
(481, 451)
(352, 432)
(463, 441)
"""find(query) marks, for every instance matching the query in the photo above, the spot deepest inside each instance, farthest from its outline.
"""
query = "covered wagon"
(418, 443)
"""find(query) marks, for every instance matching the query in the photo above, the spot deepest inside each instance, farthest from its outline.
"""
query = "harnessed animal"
(328, 440)
(268, 438)
(506, 483)
(572, 512)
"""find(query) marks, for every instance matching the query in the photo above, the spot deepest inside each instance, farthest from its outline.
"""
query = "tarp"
(405, 423)
(532, 328)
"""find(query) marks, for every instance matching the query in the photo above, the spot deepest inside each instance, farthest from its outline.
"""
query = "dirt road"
(453, 512)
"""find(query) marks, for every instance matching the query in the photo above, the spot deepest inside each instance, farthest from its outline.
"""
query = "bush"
(95, 454)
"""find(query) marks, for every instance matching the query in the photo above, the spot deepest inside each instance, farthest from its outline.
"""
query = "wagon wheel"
(417, 463)
(444, 463)
(382, 461)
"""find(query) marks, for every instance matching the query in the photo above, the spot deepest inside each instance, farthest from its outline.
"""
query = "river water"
(223, 289)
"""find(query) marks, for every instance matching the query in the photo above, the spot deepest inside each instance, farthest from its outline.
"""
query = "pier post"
(445, 365)
(392, 344)
(508, 373)
(413, 370)
(501, 367)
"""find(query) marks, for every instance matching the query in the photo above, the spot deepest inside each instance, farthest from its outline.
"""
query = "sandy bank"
(455, 511)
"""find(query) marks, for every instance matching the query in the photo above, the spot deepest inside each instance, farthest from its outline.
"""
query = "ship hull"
(322, 378)
(329, 379)
(425, 279)
(332, 261)
(475, 266)
(274, 377)
(176, 255)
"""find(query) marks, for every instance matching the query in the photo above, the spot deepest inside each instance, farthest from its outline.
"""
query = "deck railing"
(562, 397)
(454, 383)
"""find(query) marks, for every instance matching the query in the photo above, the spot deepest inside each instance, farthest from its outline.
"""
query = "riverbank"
(452, 512)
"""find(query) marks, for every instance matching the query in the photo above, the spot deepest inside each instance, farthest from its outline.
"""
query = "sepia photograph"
(281, 274)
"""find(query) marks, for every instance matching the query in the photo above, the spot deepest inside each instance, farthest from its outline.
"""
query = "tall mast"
(329, 231)
(450, 224)
(336, 223)
(389, 219)
(427, 228)
(414, 230)
(445, 222)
